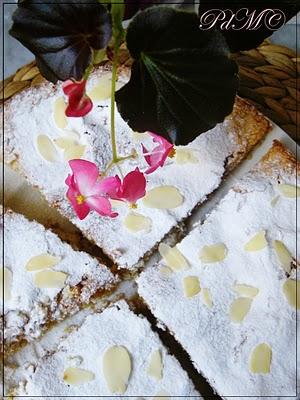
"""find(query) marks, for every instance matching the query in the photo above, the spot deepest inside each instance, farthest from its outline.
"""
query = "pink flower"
(157, 157)
(79, 103)
(131, 189)
(87, 192)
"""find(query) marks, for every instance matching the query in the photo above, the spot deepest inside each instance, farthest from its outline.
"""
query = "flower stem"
(112, 112)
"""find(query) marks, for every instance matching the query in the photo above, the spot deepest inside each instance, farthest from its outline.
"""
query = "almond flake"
(77, 376)
(184, 155)
(163, 197)
(140, 136)
(136, 222)
(246, 290)
(155, 367)
(261, 358)
(42, 261)
(191, 286)
(274, 201)
(173, 257)
(6, 279)
(290, 191)
(64, 142)
(239, 309)
(117, 368)
(102, 89)
(74, 152)
(206, 298)
(50, 279)
(284, 256)
(291, 290)
(214, 253)
(59, 113)
(46, 148)
(257, 242)
(166, 271)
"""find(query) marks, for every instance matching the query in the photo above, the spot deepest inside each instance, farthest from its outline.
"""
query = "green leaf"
(62, 35)
(182, 81)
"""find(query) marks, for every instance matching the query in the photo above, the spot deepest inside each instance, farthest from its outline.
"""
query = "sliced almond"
(59, 113)
(163, 197)
(140, 136)
(6, 280)
(42, 261)
(78, 376)
(257, 242)
(184, 155)
(50, 279)
(74, 152)
(173, 257)
(191, 286)
(274, 201)
(136, 222)
(206, 298)
(291, 290)
(246, 290)
(239, 308)
(290, 191)
(117, 369)
(261, 357)
(64, 142)
(155, 367)
(46, 148)
(284, 256)
(166, 271)
(214, 253)
(102, 89)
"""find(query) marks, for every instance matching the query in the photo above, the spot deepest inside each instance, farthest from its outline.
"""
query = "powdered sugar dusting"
(30, 308)
(25, 120)
(85, 347)
(219, 348)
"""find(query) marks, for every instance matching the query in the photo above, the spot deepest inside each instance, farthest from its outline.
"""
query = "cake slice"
(113, 353)
(228, 291)
(45, 280)
(39, 140)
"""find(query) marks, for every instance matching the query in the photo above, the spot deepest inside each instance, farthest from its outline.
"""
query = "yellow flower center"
(172, 153)
(80, 199)
(133, 206)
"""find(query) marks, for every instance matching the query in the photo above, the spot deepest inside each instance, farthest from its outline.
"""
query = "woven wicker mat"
(269, 78)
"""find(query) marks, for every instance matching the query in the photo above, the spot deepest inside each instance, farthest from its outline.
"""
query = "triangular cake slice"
(39, 140)
(229, 292)
(45, 280)
(114, 353)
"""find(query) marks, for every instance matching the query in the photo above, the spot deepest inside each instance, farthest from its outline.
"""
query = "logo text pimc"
(242, 19)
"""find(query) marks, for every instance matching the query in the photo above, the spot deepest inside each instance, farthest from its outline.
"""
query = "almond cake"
(45, 280)
(233, 282)
(114, 353)
(40, 139)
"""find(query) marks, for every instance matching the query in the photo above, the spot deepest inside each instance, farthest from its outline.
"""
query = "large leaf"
(133, 6)
(62, 35)
(182, 81)
(249, 36)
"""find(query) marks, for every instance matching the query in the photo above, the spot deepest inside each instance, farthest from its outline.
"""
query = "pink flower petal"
(133, 186)
(79, 104)
(109, 186)
(82, 209)
(101, 205)
(85, 176)
(159, 154)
